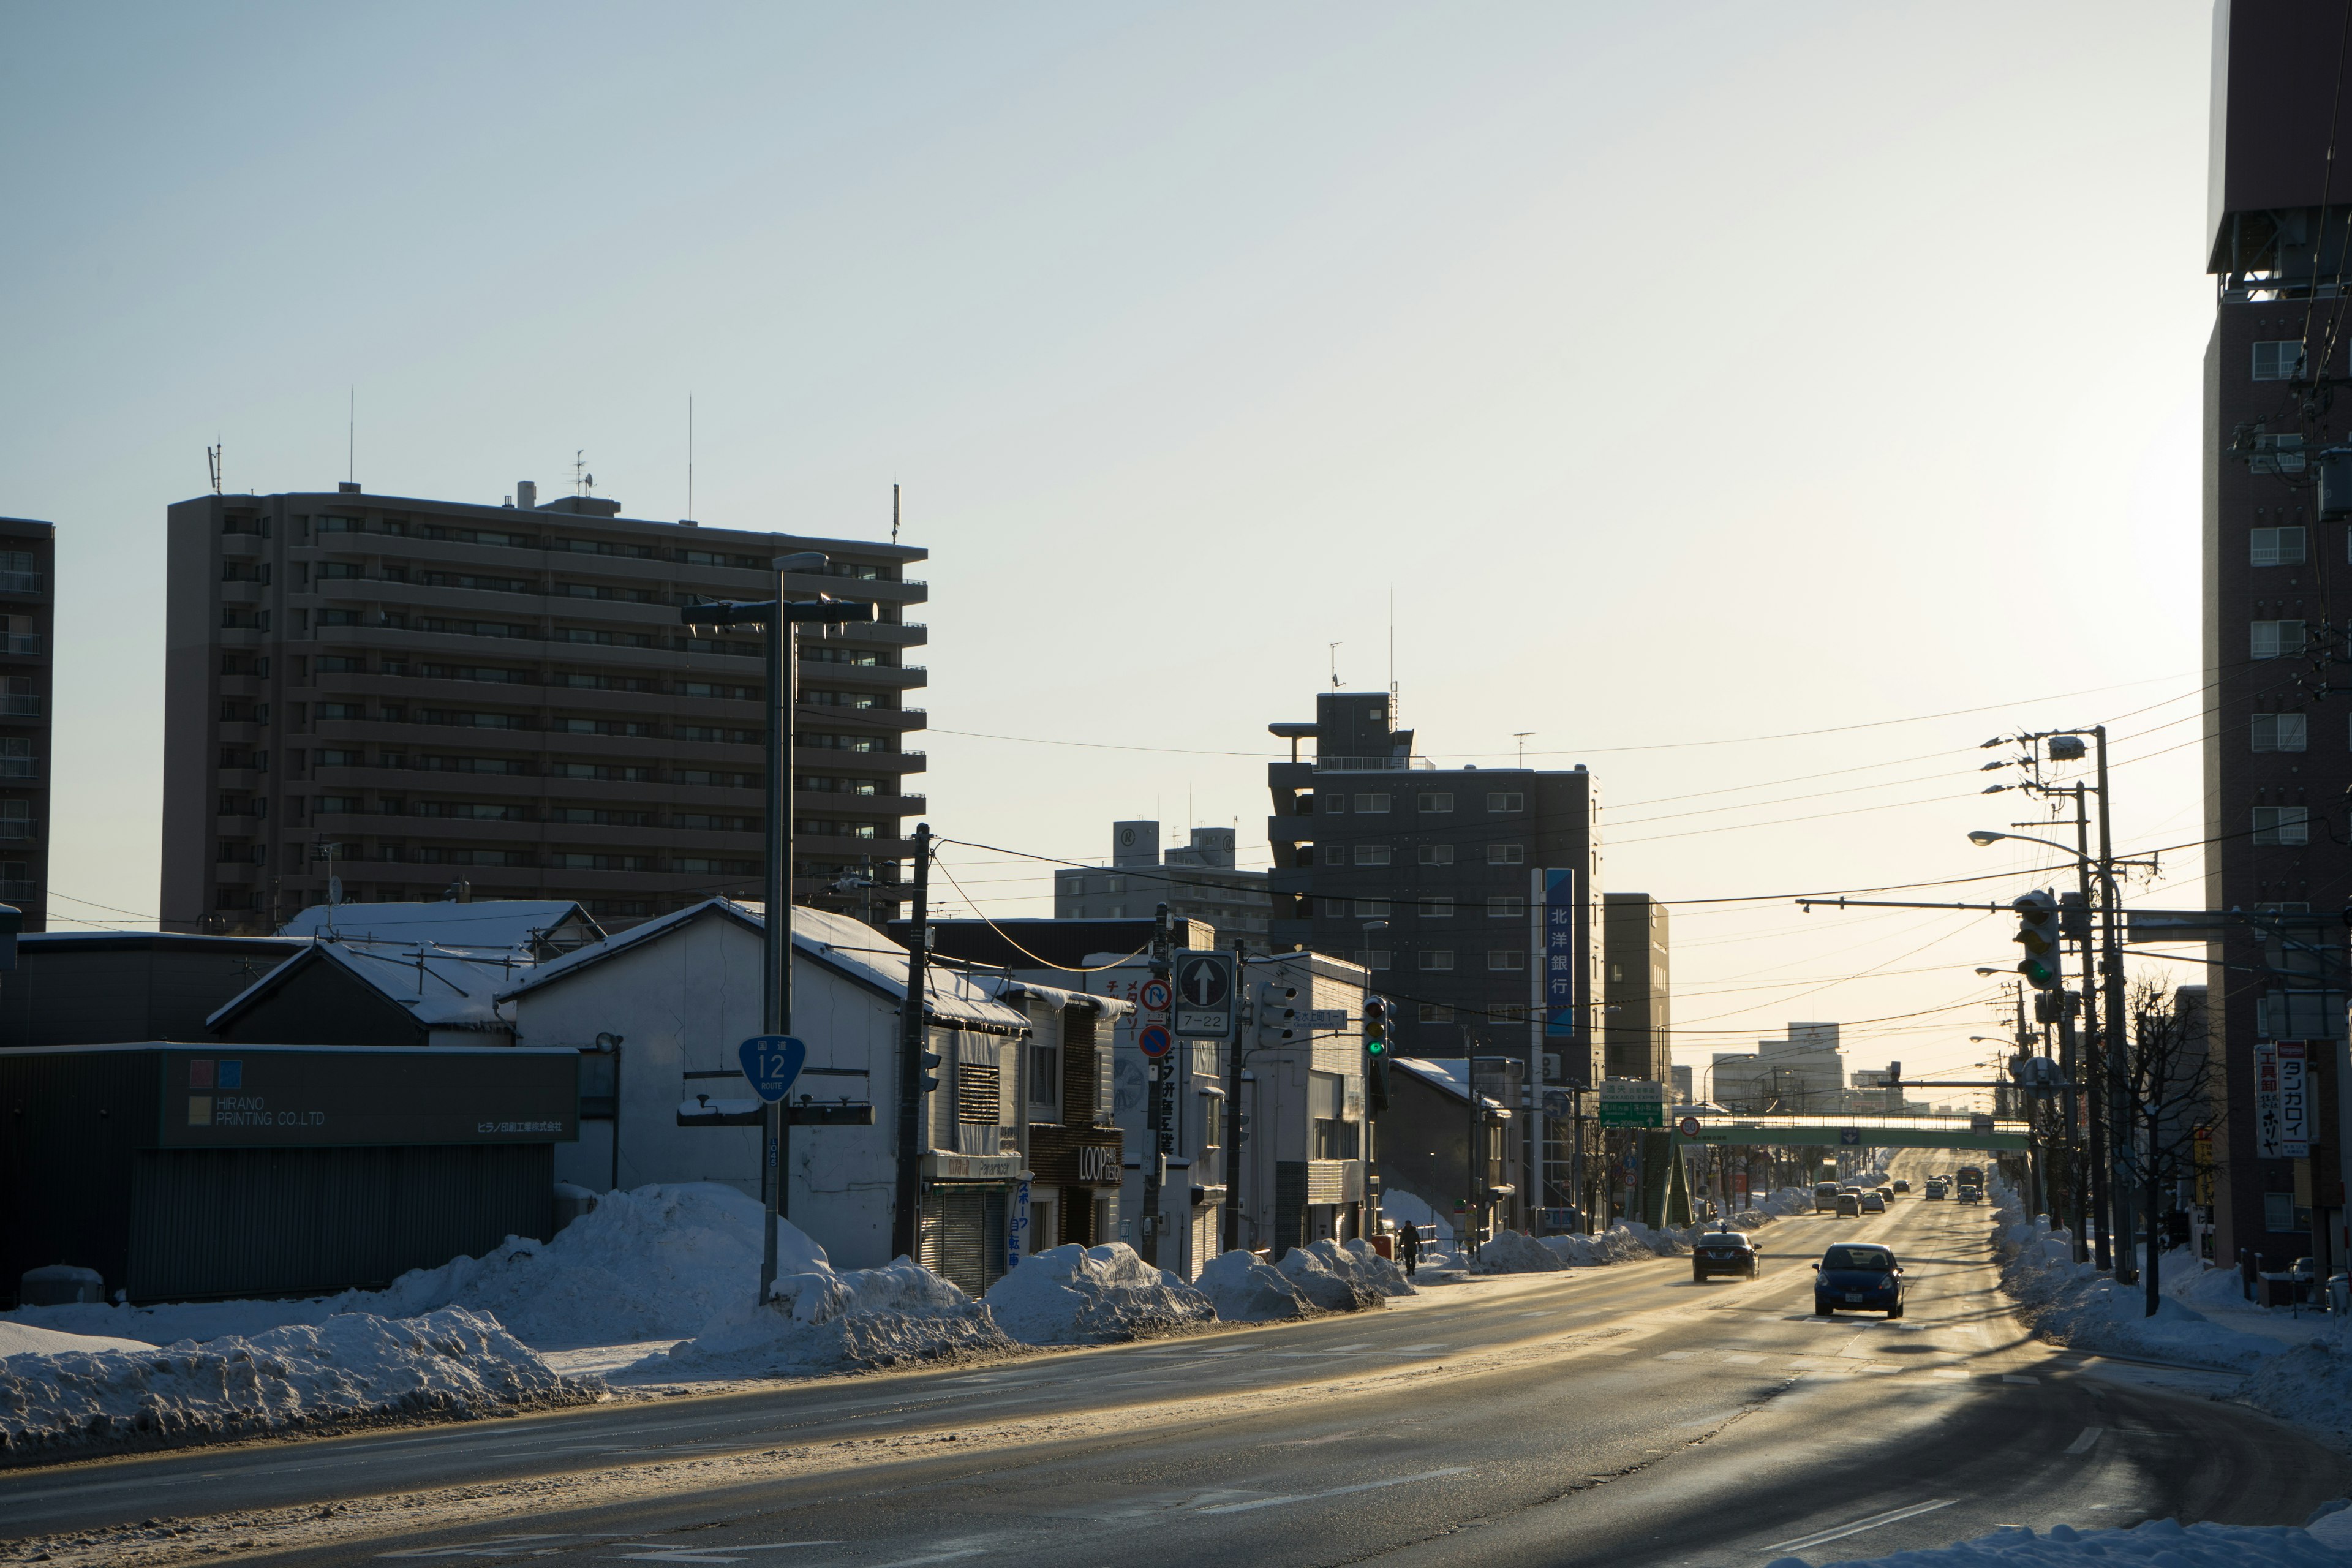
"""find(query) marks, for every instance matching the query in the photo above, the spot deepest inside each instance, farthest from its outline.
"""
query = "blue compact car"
(1857, 1277)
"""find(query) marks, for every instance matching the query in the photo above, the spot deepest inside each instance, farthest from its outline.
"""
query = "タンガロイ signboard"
(1204, 993)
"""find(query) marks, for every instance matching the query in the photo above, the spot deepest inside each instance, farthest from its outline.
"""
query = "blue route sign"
(1850, 1137)
(771, 1062)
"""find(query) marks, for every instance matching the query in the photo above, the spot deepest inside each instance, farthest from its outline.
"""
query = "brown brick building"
(436, 692)
(28, 551)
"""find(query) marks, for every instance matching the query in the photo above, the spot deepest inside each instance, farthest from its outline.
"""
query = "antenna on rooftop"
(1392, 684)
(1335, 666)
(894, 511)
(213, 463)
(689, 457)
(1521, 736)
(351, 437)
(581, 479)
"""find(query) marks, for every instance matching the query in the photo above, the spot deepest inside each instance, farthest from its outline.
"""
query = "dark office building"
(2277, 752)
(503, 696)
(1426, 876)
(28, 564)
(1635, 1024)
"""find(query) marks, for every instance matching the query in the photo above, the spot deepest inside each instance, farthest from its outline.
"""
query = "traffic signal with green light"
(1376, 1055)
(2037, 933)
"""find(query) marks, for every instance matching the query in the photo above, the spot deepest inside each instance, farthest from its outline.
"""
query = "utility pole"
(2126, 1265)
(1155, 1110)
(914, 1060)
(783, 619)
(1244, 1015)
(2092, 1041)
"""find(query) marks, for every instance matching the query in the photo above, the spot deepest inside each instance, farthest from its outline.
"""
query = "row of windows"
(1431, 801)
(510, 539)
(307, 573)
(236, 711)
(2282, 546)
(1429, 854)
(243, 617)
(1438, 960)
(1499, 907)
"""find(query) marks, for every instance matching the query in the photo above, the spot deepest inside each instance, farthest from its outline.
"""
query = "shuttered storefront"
(963, 1237)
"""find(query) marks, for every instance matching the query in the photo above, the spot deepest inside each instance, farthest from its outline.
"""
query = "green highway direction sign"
(1632, 1102)
(1752, 1134)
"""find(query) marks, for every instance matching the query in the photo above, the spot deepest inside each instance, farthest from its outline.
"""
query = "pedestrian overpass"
(1917, 1131)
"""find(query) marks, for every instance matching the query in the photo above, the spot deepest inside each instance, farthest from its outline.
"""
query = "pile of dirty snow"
(2075, 1304)
(1343, 1277)
(819, 1319)
(1516, 1252)
(24, 1339)
(656, 1263)
(2160, 1542)
(1074, 1295)
(1618, 1243)
(351, 1367)
(2309, 1384)
(1244, 1291)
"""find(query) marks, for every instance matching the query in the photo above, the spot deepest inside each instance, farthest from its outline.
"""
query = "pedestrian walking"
(1409, 1247)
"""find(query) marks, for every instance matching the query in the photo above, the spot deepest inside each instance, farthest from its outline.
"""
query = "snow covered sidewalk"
(2320, 1543)
(355, 1367)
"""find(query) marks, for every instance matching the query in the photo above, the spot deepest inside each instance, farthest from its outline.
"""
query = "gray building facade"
(1426, 876)
(1637, 1024)
(28, 593)
(1197, 881)
(504, 696)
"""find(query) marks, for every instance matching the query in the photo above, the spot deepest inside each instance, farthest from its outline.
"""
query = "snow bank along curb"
(820, 1320)
(2074, 1304)
(1075, 1295)
(353, 1367)
(2161, 1543)
(1513, 1252)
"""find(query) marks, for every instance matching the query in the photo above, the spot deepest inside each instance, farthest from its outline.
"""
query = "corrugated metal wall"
(69, 1130)
(273, 1222)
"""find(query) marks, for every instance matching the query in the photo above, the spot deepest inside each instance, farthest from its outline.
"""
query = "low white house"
(660, 1011)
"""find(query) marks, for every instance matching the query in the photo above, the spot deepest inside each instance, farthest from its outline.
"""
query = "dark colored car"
(1902, 1185)
(1858, 1277)
(1887, 1194)
(1722, 1252)
(1971, 1194)
(1849, 1205)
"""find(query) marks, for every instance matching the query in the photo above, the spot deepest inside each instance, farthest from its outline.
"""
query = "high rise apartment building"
(412, 695)
(1636, 1026)
(1196, 881)
(1423, 875)
(28, 551)
(2278, 729)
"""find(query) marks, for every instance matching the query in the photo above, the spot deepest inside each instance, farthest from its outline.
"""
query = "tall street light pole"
(782, 617)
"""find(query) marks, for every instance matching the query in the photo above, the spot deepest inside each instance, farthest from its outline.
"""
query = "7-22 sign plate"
(1204, 993)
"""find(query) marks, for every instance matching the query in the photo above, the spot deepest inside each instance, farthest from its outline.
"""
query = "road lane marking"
(496, 1546)
(1318, 1497)
(1742, 1358)
(708, 1554)
(936, 1557)
(2087, 1441)
(1949, 1372)
(1893, 1516)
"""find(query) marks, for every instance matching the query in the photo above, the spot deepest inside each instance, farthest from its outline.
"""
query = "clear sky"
(1690, 374)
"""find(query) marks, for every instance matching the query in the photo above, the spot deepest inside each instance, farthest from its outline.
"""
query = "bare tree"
(2167, 1072)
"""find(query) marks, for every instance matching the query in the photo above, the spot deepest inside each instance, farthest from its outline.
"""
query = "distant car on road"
(1886, 1193)
(1971, 1194)
(1849, 1205)
(1872, 1203)
(1722, 1252)
(1825, 1195)
(1858, 1277)
(1901, 1185)
(1934, 1187)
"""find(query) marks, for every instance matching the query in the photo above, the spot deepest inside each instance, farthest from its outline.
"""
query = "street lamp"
(782, 617)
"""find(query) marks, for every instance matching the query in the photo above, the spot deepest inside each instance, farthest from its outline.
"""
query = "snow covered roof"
(441, 990)
(1006, 988)
(497, 925)
(848, 947)
(1445, 1073)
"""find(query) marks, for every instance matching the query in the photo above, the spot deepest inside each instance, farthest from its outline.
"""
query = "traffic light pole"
(2126, 1255)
